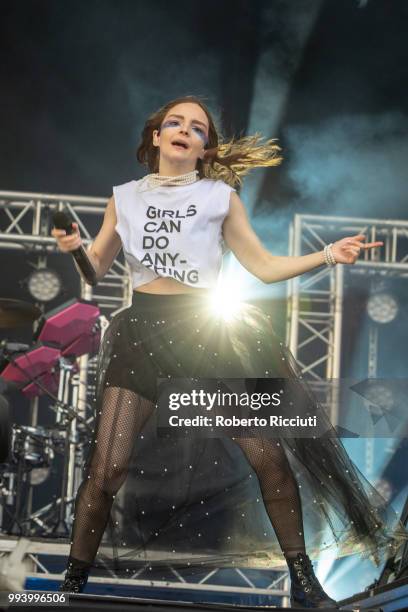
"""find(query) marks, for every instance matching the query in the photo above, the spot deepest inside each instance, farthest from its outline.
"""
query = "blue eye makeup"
(201, 134)
(196, 130)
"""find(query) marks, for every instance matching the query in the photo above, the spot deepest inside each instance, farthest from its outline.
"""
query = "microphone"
(62, 221)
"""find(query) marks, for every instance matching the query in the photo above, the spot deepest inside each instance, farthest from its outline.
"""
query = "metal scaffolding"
(315, 300)
(26, 223)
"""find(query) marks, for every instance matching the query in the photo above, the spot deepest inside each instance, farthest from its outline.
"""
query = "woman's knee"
(108, 480)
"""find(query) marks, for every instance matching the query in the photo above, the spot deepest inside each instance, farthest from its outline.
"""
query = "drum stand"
(17, 527)
(61, 527)
(49, 367)
(66, 420)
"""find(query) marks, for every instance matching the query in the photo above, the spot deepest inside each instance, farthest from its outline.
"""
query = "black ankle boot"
(305, 589)
(76, 576)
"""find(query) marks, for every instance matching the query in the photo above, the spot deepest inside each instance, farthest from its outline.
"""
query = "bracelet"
(328, 255)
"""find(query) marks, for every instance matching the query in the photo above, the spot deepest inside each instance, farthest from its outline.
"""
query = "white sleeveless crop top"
(173, 231)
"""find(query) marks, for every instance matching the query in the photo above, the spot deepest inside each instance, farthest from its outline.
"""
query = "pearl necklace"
(156, 180)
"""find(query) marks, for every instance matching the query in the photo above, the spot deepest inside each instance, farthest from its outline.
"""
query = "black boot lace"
(306, 577)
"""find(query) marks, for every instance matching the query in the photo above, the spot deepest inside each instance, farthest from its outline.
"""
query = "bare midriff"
(165, 285)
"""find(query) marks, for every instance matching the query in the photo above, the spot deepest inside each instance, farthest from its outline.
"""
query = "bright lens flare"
(226, 302)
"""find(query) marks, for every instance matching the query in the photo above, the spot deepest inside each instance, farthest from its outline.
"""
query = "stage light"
(39, 475)
(44, 284)
(226, 301)
(382, 307)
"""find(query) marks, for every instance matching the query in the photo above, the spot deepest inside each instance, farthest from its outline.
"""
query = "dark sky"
(79, 78)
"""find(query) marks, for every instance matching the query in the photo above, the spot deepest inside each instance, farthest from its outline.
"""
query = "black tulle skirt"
(197, 500)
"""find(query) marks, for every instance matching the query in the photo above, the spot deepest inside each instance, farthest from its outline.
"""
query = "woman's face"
(183, 134)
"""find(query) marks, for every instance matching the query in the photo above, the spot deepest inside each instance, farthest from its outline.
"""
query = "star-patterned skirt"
(196, 500)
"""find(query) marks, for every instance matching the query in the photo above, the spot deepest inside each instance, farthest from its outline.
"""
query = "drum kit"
(49, 367)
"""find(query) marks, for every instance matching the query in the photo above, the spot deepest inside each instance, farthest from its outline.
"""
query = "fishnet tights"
(122, 417)
(279, 491)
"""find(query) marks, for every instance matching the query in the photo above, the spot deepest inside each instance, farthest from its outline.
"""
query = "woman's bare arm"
(103, 250)
(250, 252)
(107, 243)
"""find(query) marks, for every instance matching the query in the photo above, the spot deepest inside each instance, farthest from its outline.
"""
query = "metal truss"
(314, 323)
(36, 555)
(26, 223)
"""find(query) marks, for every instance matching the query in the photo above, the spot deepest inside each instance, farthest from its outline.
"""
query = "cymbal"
(16, 313)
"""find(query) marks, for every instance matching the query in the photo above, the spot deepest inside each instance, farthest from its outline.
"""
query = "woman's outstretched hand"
(347, 250)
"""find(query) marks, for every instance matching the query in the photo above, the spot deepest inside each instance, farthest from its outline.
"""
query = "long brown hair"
(228, 161)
